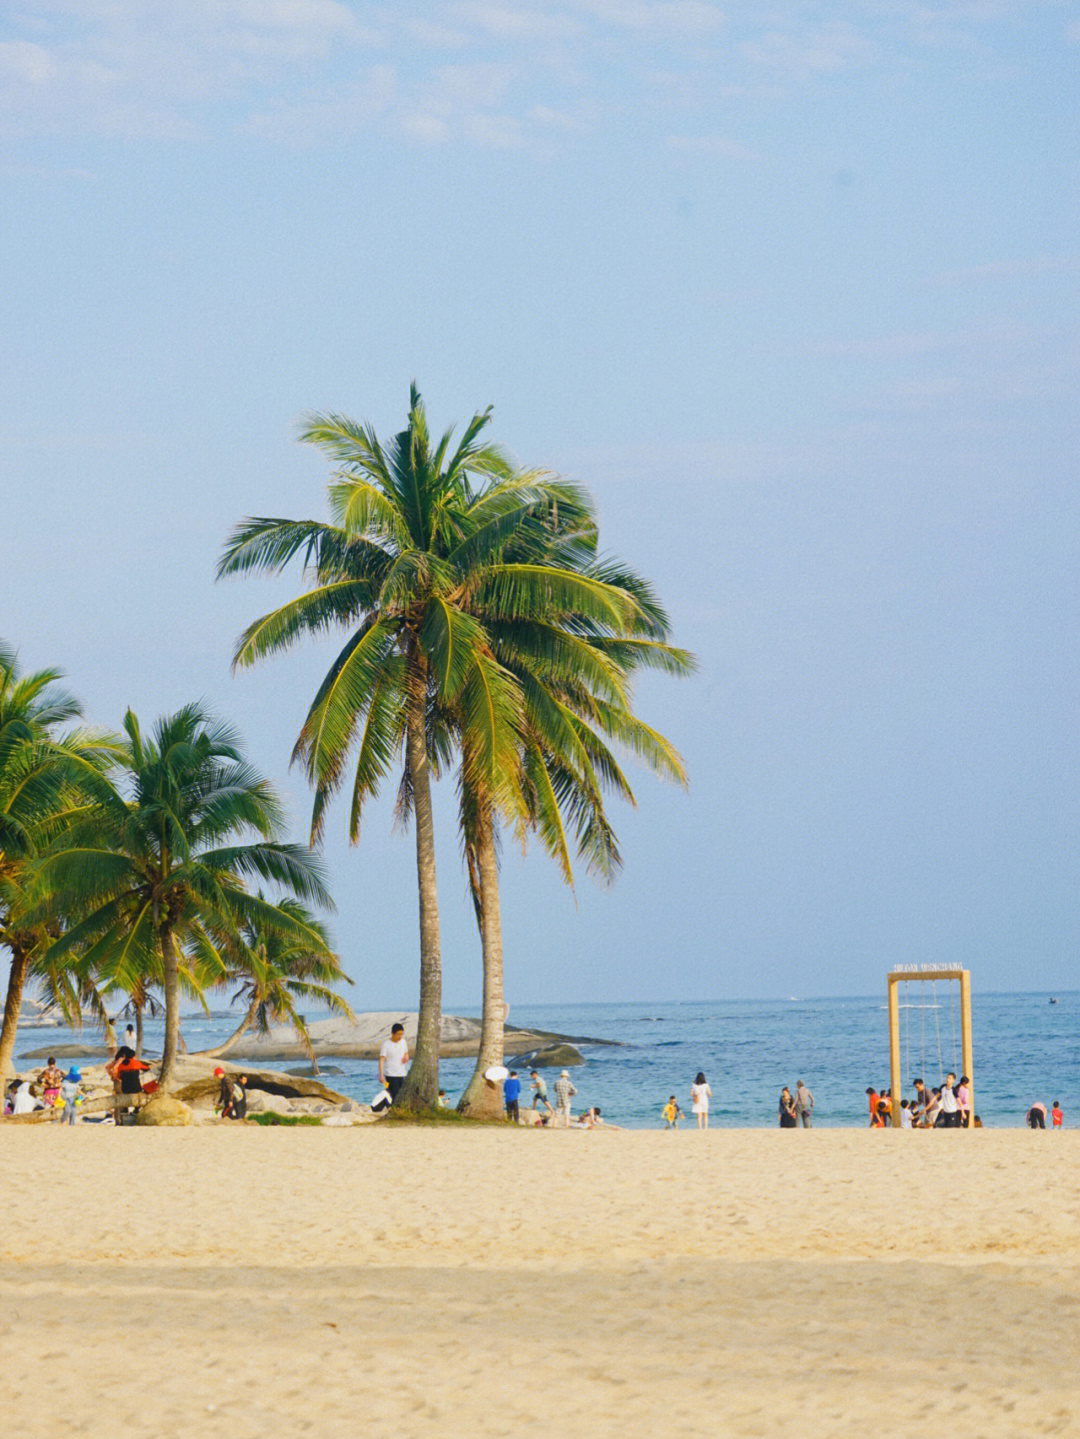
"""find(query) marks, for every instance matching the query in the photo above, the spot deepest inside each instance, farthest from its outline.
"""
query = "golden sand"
(241, 1282)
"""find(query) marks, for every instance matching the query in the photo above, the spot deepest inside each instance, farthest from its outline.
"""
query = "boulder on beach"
(557, 1056)
(163, 1110)
(260, 1101)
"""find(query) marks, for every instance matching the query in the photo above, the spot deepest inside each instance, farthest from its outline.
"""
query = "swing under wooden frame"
(896, 978)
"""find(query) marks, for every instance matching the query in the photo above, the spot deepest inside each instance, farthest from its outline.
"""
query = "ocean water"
(1025, 1049)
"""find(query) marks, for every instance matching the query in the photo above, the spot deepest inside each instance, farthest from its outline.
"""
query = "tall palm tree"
(413, 567)
(162, 864)
(41, 772)
(575, 680)
(275, 971)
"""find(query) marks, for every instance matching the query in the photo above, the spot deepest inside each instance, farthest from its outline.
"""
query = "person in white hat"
(564, 1093)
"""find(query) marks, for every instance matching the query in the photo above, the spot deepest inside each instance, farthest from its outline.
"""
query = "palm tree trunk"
(421, 1087)
(482, 1099)
(20, 964)
(233, 1039)
(138, 1031)
(171, 967)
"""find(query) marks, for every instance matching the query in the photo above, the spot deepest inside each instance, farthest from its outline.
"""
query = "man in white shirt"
(394, 1061)
(950, 1110)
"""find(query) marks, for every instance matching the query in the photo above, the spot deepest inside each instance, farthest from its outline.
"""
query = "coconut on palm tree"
(413, 568)
(164, 861)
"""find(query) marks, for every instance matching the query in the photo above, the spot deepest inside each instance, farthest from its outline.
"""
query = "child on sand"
(69, 1093)
(672, 1114)
(1056, 1115)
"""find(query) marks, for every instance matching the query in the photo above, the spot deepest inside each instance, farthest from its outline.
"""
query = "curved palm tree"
(275, 971)
(413, 566)
(163, 866)
(41, 774)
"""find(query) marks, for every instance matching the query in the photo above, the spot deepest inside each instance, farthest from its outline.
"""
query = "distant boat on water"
(1052, 1000)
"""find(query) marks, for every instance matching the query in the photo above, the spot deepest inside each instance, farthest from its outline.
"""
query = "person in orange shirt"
(1056, 1115)
(872, 1096)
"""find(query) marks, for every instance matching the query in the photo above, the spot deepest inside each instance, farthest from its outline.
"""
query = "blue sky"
(792, 288)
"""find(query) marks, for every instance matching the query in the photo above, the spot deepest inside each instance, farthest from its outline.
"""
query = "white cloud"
(514, 22)
(324, 114)
(22, 61)
(145, 69)
(827, 51)
(710, 145)
(679, 17)
(1010, 269)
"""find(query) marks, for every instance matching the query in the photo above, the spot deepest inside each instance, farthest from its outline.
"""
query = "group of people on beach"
(943, 1106)
(52, 1089)
(700, 1094)
(561, 1115)
(1036, 1116)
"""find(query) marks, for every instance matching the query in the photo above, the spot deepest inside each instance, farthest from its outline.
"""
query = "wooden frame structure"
(897, 977)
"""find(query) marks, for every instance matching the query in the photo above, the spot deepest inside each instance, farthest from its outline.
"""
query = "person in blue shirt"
(511, 1094)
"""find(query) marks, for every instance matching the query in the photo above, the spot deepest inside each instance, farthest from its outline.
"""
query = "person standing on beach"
(872, 1099)
(564, 1093)
(963, 1101)
(950, 1116)
(539, 1089)
(1057, 1116)
(394, 1061)
(511, 1096)
(50, 1080)
(804, 1104)
(787, 1110)
(69, 1093)
(700, 1094)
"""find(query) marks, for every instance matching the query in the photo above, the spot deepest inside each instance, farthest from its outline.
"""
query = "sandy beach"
(247, 1282)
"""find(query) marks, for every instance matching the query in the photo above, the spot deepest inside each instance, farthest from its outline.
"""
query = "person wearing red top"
(126, 1073)
(1056, 1115)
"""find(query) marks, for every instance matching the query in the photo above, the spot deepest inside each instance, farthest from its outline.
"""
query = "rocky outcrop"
(361, 1038)
(557, 1056)
(196, 1083)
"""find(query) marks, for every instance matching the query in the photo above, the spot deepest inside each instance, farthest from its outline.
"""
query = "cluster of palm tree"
(125, 870)
(487, 636)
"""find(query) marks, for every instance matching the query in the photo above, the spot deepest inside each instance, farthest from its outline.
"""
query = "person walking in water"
(787, 1110)
(700, 1094)
(804, 1104)
(672, 1114)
